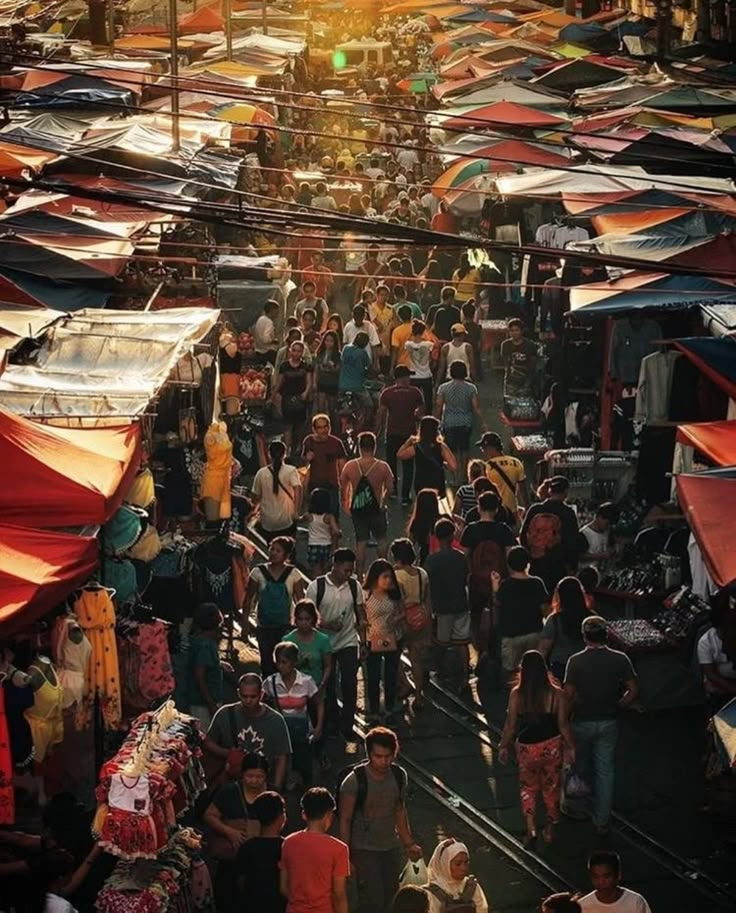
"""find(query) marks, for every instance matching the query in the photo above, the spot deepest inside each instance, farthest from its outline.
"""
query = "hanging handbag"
(415, 613)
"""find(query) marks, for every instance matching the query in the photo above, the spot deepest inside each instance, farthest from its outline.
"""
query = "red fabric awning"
(707, 501)
(64, 476)
(716, 440)
(38, 570)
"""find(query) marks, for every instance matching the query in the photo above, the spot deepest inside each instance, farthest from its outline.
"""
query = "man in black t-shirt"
(519, 603)
(486, 543)
(519, 358)
(444, 315)
(259, 857)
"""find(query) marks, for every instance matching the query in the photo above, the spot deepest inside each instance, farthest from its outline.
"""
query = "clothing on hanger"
(71, 659)
(654, 386)
(96, 614)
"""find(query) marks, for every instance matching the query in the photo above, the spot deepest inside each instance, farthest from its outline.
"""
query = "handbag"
(415, 613)
(220, 846)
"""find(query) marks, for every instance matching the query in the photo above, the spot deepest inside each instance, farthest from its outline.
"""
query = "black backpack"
(361, 776)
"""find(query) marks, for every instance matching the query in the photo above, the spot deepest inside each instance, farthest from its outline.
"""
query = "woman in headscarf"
(449, 881)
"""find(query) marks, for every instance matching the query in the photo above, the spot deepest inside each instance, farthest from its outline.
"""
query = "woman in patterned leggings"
(538, 716)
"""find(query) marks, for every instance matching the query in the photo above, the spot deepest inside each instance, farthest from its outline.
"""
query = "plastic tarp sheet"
(707, 500)
(715, 357)
(637, 290)
(82, 474)
(717, 440)
(38, 570)
(25, 289)
(76, 92)
(60, 256)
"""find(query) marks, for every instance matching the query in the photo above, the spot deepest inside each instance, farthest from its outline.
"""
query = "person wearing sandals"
(538, 715)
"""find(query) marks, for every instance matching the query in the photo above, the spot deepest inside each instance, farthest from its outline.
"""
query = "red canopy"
(504, 112)
(38, 569)
(716, 440)
(707, 501)
(64, 476)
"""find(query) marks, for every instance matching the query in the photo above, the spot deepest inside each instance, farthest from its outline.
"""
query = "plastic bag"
(575, 786)
(414, 873)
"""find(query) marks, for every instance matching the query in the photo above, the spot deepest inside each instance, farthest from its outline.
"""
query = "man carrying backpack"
(486, 543)
(550, 533)
(374, 821)
(365, 484)
(339, 600)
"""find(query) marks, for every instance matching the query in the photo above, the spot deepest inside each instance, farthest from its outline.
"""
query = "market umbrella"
(505, 113)
(418, 82)
(241, 113)
(707, 500)
(458, 173)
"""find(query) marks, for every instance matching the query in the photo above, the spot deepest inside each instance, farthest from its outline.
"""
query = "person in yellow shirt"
(506, 472)
(466, 280)
(384, 318)
(399, 355)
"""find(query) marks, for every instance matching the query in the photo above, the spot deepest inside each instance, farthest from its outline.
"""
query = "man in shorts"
(365, 484)
(448, 588)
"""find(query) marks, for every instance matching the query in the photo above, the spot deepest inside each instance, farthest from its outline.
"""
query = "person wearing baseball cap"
(599, 683)
(550, 533)
(506, 472)
(457, 349)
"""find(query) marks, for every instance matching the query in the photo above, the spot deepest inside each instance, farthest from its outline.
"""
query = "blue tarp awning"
(636, 293)
(24, 288)
(714, 357)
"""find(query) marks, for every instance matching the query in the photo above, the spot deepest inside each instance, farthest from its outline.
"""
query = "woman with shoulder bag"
(414, 587)
(385, 615)
(430, 454)
(562, 632)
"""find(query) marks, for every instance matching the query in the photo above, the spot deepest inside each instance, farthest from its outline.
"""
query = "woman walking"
(277, 587)
(562, 632)
(423, 518)
(537, 715)
(292, 391)
(327, 372)
(384, 612)
(430, 454)
(278, 490)
(414, 587)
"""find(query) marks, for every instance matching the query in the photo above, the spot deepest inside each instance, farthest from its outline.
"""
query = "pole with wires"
(111, 25)
(264, 20)
(174, 74)
(227, 9)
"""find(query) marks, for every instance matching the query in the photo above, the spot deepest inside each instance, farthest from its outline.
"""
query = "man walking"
(249, 725)
(374, 821)
(366, 483)
(550, 533)
(599, 683)
(506, 472)
(339, 600)
(398, 409)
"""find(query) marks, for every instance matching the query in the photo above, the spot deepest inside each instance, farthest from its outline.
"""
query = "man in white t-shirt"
(265, 341)
(339, 600)
(607, 895)
(360, 324)
(719, 672)
(598, 536)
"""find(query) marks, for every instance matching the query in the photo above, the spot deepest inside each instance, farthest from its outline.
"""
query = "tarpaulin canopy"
(575, 74)
(716, 440)
(503, 112)
(62, 256)
(711, 252)
(637, 290)
(707, 500)
(74, 92)
(38, 570)
(715, 357)
(64, 477)
(31, 291)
